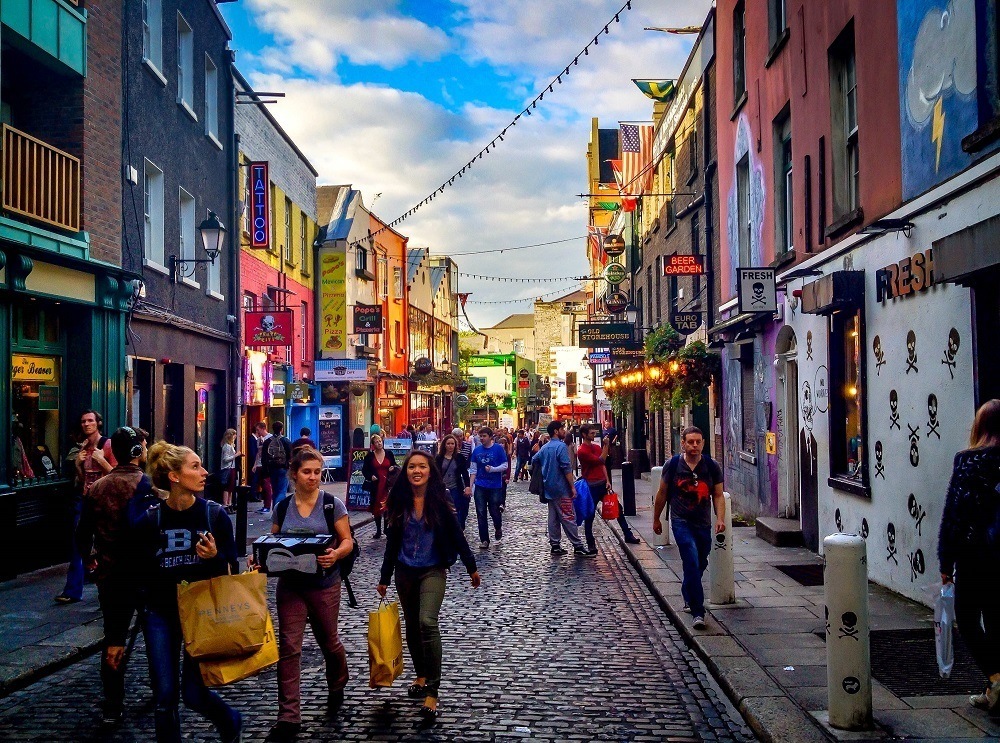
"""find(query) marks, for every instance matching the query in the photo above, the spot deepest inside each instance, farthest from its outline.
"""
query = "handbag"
(220, 671)
(224, 617)
(609, 506)
(583, 501)
(385, 644)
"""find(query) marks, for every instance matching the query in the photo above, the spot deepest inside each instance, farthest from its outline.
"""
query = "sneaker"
(580, 552)
(284, 731)
(557, 551)
(699, 623)
(335, 700)
(980, 701)
(686, 608)
(62, 598)
(263, 510)
(485, 544)
(498, 535)
(632, 539)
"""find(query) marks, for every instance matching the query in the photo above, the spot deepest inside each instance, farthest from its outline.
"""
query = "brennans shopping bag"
(385, 644)
(219, 671)
(224, 617)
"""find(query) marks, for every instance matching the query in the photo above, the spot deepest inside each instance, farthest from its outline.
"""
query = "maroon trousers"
(321, 608)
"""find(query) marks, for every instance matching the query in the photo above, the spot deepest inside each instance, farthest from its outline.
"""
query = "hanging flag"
(658, 90)
(608, 206)
(596, 237)
(637, 161)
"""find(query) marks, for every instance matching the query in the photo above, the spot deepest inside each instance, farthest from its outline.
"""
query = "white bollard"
(663, 538)
(848, 654)
(720, 560)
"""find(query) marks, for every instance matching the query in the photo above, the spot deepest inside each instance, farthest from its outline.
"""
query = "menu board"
(330, 436)
(358, 498)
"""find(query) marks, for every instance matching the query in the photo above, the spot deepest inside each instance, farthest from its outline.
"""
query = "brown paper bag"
(224, 617)
(385, 645)
(219, 671)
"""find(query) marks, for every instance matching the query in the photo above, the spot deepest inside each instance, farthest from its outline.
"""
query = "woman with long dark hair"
(455, 474)
(969, 545)
(423, 539)
(378, 469)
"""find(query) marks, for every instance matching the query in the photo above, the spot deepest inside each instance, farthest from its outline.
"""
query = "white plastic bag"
(944, 626)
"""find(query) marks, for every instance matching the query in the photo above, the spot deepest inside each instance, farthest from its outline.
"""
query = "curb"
(773, 716)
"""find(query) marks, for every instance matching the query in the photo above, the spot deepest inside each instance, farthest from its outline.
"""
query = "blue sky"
(393, 96)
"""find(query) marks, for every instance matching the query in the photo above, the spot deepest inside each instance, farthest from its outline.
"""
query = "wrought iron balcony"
(40, 182)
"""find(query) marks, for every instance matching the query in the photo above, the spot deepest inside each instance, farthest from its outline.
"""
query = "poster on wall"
(270, 328)
(358, 497)
(332, 302)
(330, 436)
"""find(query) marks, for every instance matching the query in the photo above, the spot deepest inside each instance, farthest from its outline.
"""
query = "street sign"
(685, 323)
(615, 302)
(756, 290)
(683, 265)
(614, 273)
(599, 357)
(602, 335)
(462, 401)
(614, 245)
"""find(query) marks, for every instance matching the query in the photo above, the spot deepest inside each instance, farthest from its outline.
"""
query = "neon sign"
(260, 206)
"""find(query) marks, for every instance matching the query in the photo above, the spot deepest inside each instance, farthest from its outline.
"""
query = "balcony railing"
(40, 182)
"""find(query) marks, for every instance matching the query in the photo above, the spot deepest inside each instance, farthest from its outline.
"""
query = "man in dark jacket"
(275, 459)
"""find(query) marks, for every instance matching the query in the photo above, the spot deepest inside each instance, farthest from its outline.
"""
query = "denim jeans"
(694, 543)
(164, 643)
(597, 491)
(522, 469)
(74, 574)
(421, 592)
(461, 501)
(279, 485)
(488, 499)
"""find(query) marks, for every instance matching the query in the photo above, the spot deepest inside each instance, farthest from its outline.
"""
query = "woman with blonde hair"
(183, 538)
(227, 472)
(969, 548)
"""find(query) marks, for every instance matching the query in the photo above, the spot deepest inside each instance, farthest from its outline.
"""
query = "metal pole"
(720, 564)
(628, 489)
(242, 499)
(663, 538)
(848, 654)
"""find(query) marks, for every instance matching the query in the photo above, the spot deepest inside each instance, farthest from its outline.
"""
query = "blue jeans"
(461, 505)
(488, 499)
(694, 543)
(522, 469)
(74, 575)
(162, 630)
(279, 485)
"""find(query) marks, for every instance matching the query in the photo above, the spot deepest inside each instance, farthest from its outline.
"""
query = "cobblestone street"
(547, 649)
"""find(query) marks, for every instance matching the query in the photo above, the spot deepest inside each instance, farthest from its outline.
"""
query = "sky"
(395, 96)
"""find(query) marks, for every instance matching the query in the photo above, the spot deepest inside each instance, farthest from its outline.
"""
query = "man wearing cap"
(104, 528)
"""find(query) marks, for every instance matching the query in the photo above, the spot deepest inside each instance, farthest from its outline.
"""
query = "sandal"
(415, 690)
(428, 718)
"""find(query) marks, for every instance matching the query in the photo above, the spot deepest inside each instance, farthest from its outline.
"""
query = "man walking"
(522, 445)
(557, 476)
(593, 469)
(486, 469)
(259, 481)
(103, 528)
(691, 484)
(305, 439)
(277, 455)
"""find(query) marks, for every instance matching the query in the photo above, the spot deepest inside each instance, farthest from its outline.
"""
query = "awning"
(958, 257)
(840, 290)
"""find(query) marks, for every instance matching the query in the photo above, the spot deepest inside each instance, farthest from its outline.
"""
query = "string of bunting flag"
(520, 280)
(495, 142)
(527, 299)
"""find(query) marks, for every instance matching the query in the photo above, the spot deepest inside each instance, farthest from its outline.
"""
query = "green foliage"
(662, 343)
(621, 402)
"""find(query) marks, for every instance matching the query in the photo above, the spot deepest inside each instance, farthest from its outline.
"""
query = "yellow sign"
(32, 368)
(333, 302)
(771, 442)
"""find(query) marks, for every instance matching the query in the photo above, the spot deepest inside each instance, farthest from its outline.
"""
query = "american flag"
(637, 158)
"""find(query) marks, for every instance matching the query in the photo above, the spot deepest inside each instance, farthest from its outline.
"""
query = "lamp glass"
(213, 234)
(631, 314)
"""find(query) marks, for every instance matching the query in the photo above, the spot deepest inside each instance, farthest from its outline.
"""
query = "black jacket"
(448, 538)
(970, 506)
(462, 465)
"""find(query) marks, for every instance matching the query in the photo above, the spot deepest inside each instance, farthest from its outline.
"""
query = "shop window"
(847, 451)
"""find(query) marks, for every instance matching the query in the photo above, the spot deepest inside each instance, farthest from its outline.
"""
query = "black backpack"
(345, 564)
(536, 485)
(277, 455)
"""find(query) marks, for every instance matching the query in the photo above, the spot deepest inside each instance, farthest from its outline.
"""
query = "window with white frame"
(213, 276)
(303, 245)
(844, 124)
(397, 282)
(383, 277)
(185, 63)
(783, 190)
(152, 209)
(739, 52)
(211, 98)
(743, 208)
(186, 231)
(303, 340)
(289, 254)
(152, 31)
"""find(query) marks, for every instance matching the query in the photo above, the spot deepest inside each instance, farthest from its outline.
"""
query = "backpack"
(277, 456)
(536, 485)
(144, 498)
(346, 564)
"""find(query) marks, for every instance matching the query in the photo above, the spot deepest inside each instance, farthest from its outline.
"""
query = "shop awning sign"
(270, 328)
(367, 318)
(341, 370)
(32, 368)
(602, 335)
(757, 291)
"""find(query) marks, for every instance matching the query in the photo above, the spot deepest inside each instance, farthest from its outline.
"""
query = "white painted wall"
(570, 359)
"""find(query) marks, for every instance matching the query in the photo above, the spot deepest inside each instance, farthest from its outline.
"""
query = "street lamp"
(213, 236)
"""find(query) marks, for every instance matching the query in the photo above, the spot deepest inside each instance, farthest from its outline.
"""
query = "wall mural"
(911, 352)
(954, 341)
(879, 355)
(933, 424)
(937, 89)
(879, 464)
(743, 146)
(894, 410)
(890, 540)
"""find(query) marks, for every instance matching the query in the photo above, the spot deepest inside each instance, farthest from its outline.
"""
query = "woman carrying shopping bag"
(184, 539)
(969, 546)
(378, 469)
(423, 539)
(312, 598)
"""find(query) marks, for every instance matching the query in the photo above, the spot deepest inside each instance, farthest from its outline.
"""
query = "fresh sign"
(260, 206)
(756, 290)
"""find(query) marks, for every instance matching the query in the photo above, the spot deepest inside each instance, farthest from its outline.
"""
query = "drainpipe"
(236, 330)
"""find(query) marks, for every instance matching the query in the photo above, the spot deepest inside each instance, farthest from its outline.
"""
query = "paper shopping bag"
(224, 617)
(385, 645)
(219, 671)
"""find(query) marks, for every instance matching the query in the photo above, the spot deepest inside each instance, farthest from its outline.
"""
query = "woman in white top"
(227, 473)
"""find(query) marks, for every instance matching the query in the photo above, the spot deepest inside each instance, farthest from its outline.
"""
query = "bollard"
(628, 490)
(242, 499)
(663, 538)
(720, 562)
(848, 654)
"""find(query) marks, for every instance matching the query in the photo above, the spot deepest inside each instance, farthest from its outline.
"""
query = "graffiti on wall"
(937, 85)
(753, 202)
